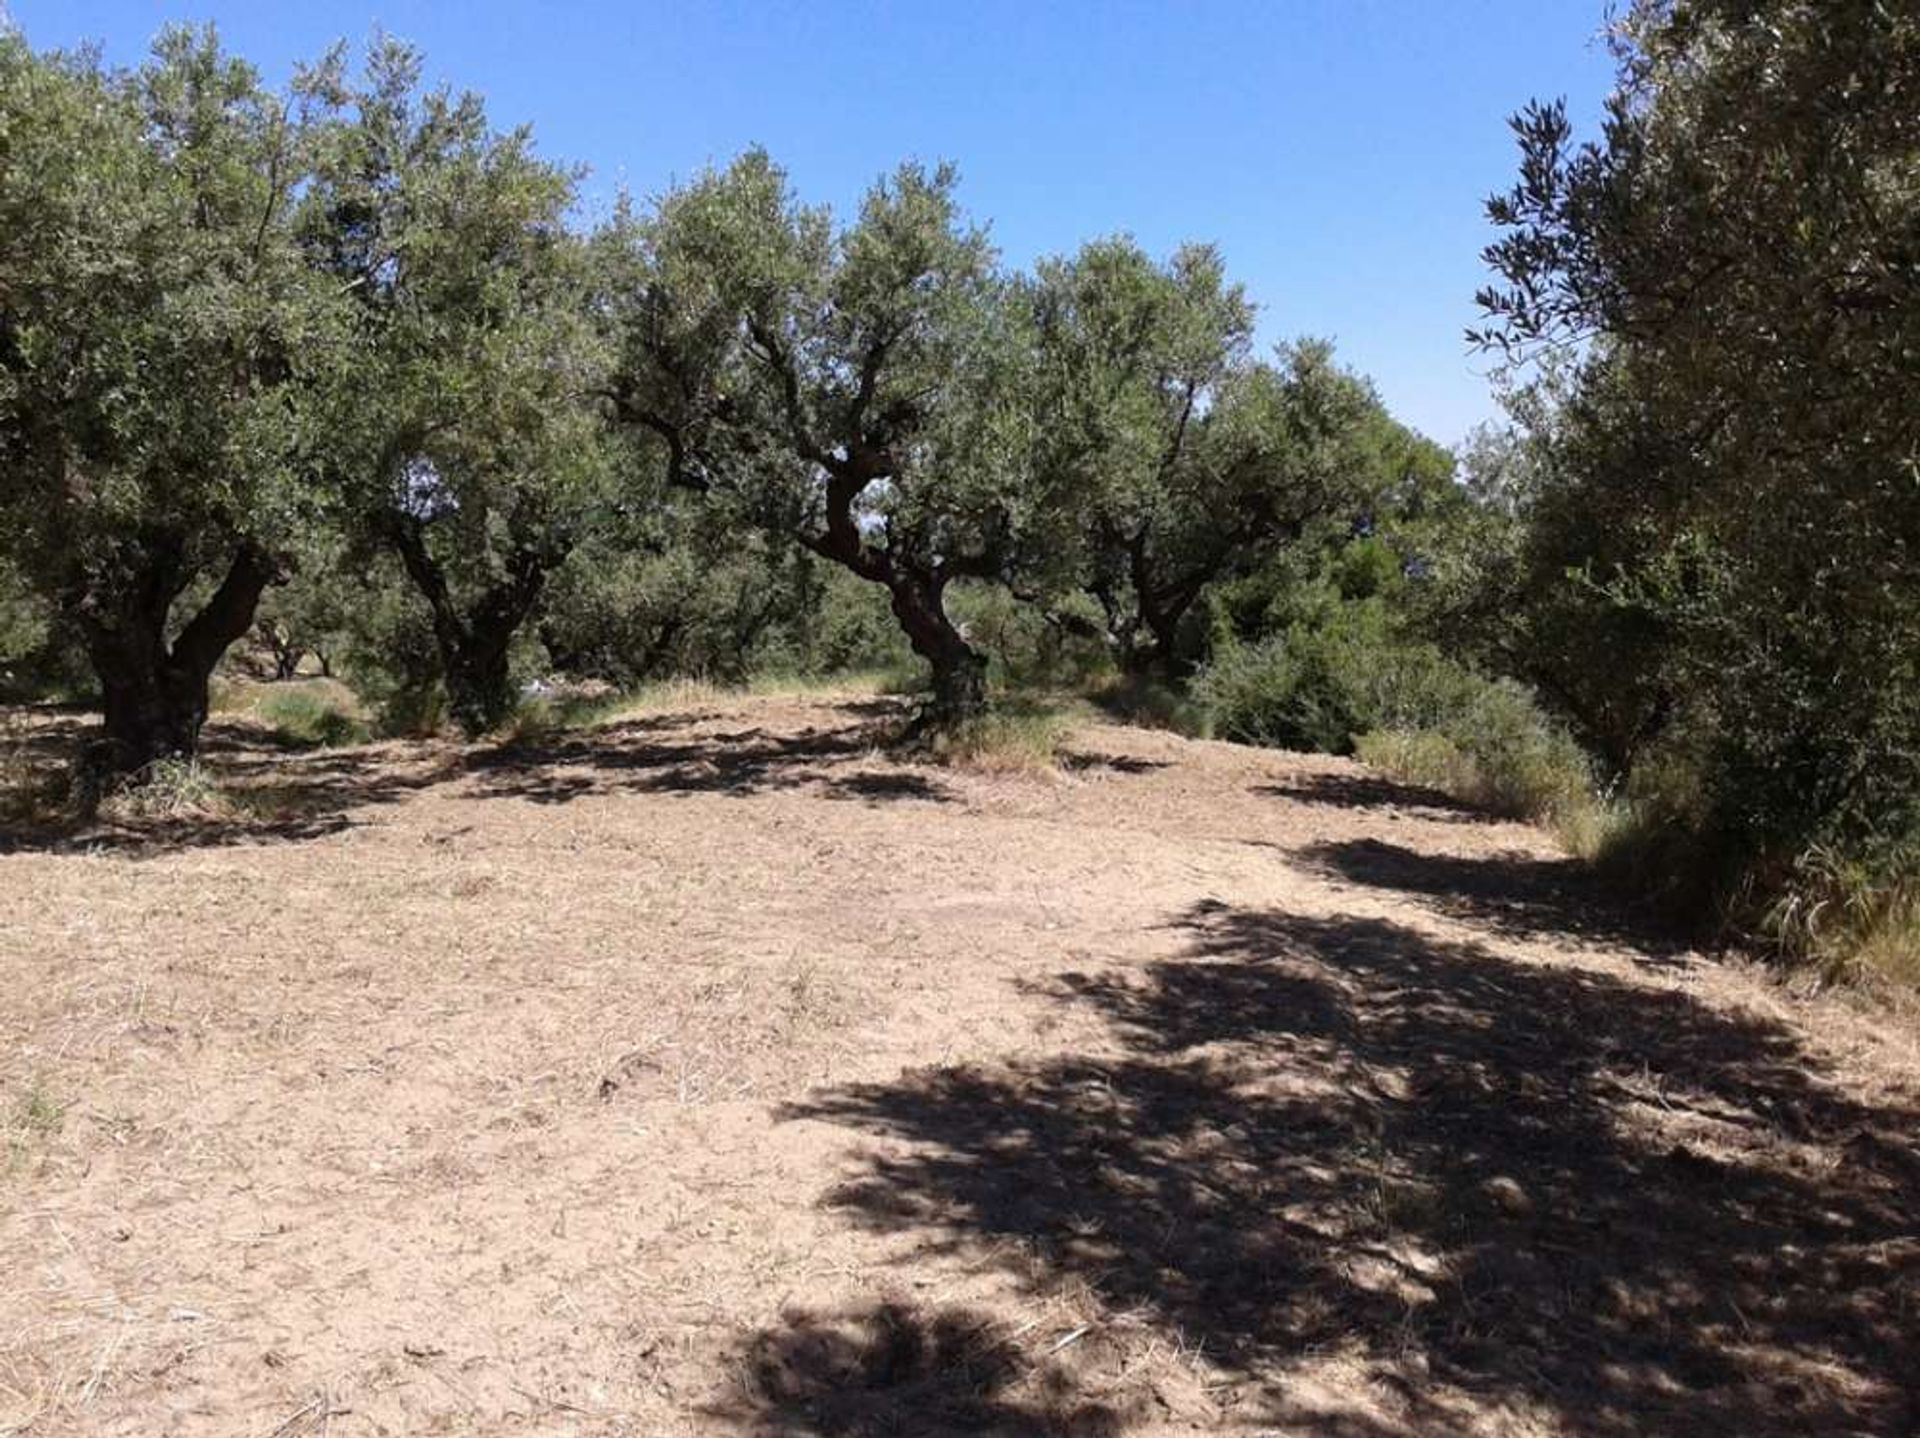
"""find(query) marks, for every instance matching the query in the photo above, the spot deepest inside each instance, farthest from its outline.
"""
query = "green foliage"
(1350, 685)
(1728, 489)
(857, 389)
(1153, 704)
(1032, 646)
(721, 607)
(315, 715)
(1172, 460)
(390, 654)
(161, 344)
(469, 437)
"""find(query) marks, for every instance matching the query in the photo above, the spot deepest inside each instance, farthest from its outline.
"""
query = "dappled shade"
(1549, 1189)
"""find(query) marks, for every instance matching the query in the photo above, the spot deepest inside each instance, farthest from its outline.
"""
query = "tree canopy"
(162, 344)
(468, 437)
(1741, 252)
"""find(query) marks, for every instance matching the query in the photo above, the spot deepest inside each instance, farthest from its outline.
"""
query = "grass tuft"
(315, 720)
(1847, 917)
(1542, 784)
(304, 713)
(31, 1121)
(167, 789)
(1007, 740)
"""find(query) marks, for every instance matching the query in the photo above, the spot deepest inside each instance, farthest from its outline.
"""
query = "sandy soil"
(716, 1074)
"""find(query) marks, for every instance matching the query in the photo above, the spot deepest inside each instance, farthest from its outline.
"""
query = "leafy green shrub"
(1317, 687)
(1285, 692)
(1029, 647)
(1409, 709)
(1153, 704)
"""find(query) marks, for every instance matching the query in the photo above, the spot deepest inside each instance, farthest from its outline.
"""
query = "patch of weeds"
(1004, 740)
(31, 1122)
(311, 717)
(1532, 775)
(1848, 917)
(167, 789)
(1152, 704)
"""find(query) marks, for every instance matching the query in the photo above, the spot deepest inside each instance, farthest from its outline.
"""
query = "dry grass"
(1006, 740)
(693, 693)
(709, 1072)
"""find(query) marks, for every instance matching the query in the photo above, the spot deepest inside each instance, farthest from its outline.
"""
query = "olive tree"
(1734, 258)
(471, 441)
(1177, 458)
(161, 341)
(859, 389)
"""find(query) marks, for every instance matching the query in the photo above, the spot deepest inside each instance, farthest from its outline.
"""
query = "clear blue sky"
(1337, 150)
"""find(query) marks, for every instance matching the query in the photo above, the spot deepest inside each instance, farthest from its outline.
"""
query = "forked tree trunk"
(154, 695)
(474, 647)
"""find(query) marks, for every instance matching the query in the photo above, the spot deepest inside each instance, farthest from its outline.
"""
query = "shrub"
(1535, 777)
(1285, 692)
(1153, 704)
(1410, 710)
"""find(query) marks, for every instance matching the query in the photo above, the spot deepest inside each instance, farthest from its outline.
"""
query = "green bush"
(1406, 707)
(1029, 647)
(1318, 687)
(1152, 704)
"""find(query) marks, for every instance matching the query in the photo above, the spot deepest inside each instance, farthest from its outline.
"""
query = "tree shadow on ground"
(1516, 895)
(882, 1369)
(1367, 791)
(264, 791)
(639, 756)
(1080, 761)
(1507, 1195)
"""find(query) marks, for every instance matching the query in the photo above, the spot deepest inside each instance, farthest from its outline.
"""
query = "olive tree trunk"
(959, 670)
(154, 694)
(474, 646)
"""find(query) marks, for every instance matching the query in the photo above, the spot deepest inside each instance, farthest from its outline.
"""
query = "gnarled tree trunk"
(959, 670)
(474, 647)
(154, 694)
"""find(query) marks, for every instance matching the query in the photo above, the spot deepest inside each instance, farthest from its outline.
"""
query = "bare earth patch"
(713, 1073)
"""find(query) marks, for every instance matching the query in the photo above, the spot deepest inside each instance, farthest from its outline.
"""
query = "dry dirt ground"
(716, 1074)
